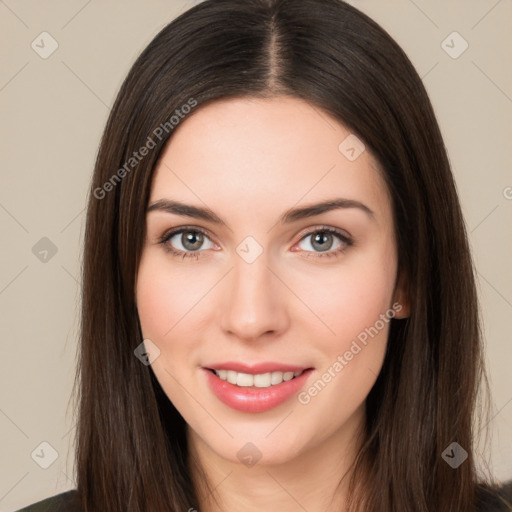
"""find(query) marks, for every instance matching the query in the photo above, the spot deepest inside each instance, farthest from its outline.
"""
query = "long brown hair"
(131, 441)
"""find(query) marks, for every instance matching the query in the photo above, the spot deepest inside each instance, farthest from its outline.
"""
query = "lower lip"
(252, 399)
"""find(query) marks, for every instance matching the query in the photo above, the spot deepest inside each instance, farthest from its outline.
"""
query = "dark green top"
(65, 502)
(68, 502)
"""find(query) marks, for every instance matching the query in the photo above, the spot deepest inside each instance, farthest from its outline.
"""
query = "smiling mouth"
(255, 392)
(258, 380)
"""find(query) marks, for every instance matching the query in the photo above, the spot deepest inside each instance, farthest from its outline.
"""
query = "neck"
(315, 479)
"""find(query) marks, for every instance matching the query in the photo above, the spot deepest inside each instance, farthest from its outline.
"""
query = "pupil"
(322, 238)
(192, 240)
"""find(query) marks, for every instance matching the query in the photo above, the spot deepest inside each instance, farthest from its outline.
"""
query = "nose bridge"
(255, 303)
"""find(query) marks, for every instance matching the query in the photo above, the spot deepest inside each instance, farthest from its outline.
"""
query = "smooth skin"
(303, 301)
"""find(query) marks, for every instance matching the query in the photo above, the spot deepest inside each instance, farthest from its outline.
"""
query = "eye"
(325, 242)
(186, 242)
(189, 242)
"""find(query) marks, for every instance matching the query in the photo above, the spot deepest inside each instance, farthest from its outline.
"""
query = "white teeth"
(277, 378)
(260, 380)
(244, 380)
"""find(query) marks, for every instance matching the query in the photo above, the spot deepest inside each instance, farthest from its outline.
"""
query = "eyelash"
(196, 254)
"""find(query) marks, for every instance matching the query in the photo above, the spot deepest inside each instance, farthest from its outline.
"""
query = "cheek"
(357, 308)
(359, 303)
(350, 299)
(171, 308)
(355, 304)
(170, 303)
(155, 301)
(163, 300)
(165, 296)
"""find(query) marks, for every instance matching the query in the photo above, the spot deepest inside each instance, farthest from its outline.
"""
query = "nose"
(254, 301)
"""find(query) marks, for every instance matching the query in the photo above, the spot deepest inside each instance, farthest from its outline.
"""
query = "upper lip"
(256, 368)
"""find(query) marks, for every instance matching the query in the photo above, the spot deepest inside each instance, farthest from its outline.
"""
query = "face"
(256, 284)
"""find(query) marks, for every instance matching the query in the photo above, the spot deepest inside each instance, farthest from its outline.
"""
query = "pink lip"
(253, 369)
(253, 399)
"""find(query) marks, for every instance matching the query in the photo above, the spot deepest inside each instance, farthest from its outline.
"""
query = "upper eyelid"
(176, 231)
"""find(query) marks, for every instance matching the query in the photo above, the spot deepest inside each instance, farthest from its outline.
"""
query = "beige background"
(53, 113)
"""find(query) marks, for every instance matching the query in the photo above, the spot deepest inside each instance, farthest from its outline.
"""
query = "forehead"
(240, 153)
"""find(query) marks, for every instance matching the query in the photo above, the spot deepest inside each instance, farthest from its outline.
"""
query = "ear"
(401, 299)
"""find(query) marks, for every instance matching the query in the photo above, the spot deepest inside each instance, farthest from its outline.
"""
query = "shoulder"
(64, 502)
(495, 499)
(488, 500)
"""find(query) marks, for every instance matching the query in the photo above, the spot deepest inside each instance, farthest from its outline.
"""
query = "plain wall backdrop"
(54, 107)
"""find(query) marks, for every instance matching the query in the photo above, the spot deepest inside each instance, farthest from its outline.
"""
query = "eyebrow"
(291, 215)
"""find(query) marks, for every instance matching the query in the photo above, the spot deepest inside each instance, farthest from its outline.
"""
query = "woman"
(279, 307)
